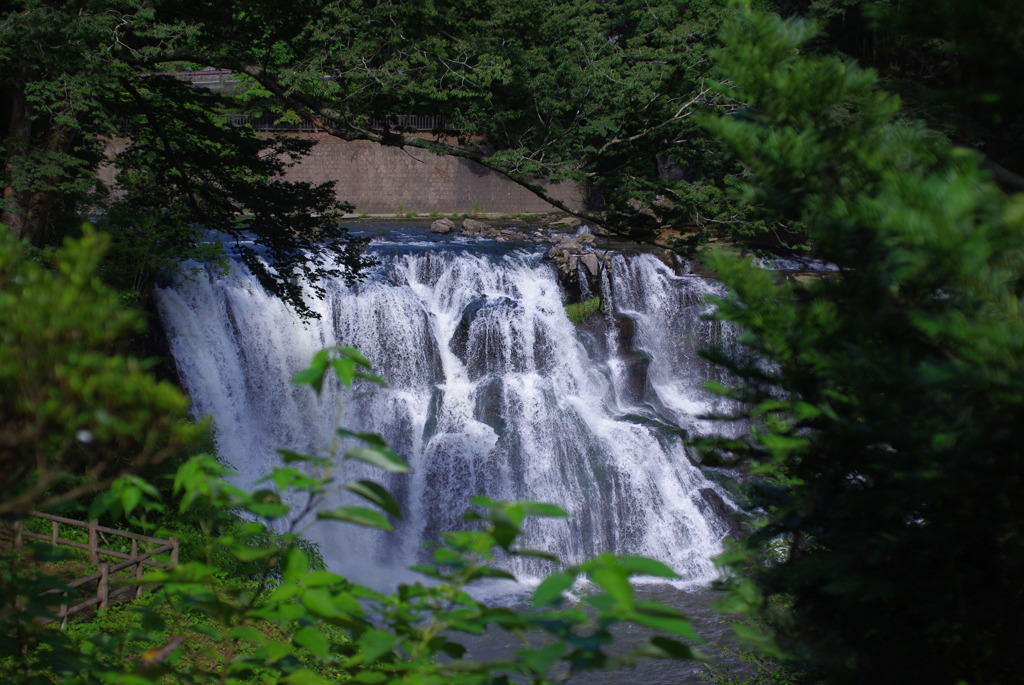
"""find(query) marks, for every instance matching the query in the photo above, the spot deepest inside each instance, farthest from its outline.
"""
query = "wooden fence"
(104, 590)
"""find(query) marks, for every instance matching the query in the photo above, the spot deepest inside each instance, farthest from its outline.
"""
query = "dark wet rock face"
(715, 504)
(570, 252)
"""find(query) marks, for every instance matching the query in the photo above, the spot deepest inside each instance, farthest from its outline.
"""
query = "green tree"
(79, 75)
(953, 62)
(74, 414)
(885, 397)
(598, 92)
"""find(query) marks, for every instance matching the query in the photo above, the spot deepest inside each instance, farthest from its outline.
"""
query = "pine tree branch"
(341, 127)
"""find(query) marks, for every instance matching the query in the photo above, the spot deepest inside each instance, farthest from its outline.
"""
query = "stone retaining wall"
(381, 180)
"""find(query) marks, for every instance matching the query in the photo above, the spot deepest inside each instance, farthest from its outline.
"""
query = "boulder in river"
(442, 226)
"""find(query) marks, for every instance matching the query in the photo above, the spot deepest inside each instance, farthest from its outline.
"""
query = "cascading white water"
(491, 390)
(671, 318)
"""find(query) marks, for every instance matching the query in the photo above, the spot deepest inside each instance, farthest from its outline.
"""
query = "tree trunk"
(42, 204)
(19, 134)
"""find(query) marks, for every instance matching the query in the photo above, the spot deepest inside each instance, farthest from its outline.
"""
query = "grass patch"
(579, 312)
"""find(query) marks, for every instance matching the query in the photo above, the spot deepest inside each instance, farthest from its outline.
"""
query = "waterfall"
(491, 390)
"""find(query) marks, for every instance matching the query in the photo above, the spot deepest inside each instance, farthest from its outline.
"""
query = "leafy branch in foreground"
(74, 414)
(293, 622)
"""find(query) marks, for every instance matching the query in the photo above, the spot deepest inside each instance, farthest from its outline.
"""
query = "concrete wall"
(387, 181)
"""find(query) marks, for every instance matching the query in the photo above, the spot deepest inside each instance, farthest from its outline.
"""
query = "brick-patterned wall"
(385, 180)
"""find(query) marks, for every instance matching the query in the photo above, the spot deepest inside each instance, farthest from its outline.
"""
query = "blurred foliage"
(886, 397)
(74, 414)
(954, 62)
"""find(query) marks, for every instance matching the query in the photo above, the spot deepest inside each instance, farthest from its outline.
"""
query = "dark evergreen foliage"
(78, 76)
(886, 398)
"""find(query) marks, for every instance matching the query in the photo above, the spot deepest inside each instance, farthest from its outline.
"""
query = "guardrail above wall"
(225, 80)
(399, 122)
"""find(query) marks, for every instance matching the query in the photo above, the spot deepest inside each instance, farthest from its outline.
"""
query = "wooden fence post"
(138, 580)
(103, 589)
(138, 569)
(94, 554)
(104, 593)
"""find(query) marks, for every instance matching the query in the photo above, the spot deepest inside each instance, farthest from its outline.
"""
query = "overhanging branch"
(340, 126)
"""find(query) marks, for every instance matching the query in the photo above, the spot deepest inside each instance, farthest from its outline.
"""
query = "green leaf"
(551, 588)
(310, 376)
(488, 572)
(371, 438)
(312, 639)
(305, 676)
(540, 661)
(372, 378)
(249, 634)
(646, 567)
(376, 494)
(504, 533)
(321, 602)
(423, 569)
(360, 516)
(355, 355)
(483, 501)
(283, 592)
(296, 565)
(379, 457)
(101, 504)
(321, 578)
(277, 651)
(290, 457)
(536, 554)
(749, 633)
(716, 387)
(287, 477)
(542, 509)
(665, 648)
(130, 498)
(614, 580)
(443, 556)
(782, 443)
(345, 369)
(375, 643)
(663, 618)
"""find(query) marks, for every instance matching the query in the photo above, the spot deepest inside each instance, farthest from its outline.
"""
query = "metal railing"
(214, 79)
(224, 79)
(398, 122)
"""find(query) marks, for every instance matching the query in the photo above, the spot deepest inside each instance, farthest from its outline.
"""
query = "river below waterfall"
(491, 390)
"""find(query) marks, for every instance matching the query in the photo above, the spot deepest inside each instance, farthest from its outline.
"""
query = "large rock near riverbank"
(568, 252)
